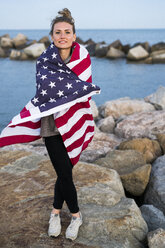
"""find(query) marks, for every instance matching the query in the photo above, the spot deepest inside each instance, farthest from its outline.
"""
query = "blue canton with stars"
(56, 84)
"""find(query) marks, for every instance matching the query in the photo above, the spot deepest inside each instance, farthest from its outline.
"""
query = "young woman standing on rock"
(60, 112)
(63, 36)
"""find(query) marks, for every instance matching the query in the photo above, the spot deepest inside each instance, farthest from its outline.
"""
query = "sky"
(88, 14)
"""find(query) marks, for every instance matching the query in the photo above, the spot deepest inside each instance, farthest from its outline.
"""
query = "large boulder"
(132, 168)
(27, 186)
(149, 148)
(35, 50)
(20, 41)
(6, 42)
(161, 139)
(94, 108)
(107, 124)
(158, 97)
(114, 53)
(124, 106)
(155, 193)
(153, 216)
(137, 53)
(18, 55)
(156, 239)
(45, 40)
(101, 144)
(101, 50)
(158, 56)
(158, 46)
(2, 53)
(143, 124)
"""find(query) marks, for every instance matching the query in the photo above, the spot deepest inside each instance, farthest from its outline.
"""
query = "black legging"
(64, 189)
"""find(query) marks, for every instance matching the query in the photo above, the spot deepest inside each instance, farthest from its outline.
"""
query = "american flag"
(64, 91)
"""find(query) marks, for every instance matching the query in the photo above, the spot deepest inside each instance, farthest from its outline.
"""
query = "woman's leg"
(65, 187)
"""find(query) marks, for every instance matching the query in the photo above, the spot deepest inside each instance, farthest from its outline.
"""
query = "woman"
(63, 35)
(60, 113)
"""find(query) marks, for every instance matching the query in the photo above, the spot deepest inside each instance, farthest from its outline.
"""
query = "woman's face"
(63, 36)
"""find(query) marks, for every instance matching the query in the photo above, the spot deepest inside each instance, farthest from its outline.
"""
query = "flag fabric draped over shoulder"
(63, 90)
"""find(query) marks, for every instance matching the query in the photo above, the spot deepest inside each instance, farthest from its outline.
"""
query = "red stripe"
(29, 124)
(76, 159)
(80, 141)
(89, 80)
(77, 126)
(76, 52)
(15, 139)
(62, 120)
(24, 113)
(82, 66)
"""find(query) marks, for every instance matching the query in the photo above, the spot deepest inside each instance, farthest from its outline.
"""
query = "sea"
(116, 78)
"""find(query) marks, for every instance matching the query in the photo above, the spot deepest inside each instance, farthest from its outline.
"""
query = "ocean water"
(117, 78)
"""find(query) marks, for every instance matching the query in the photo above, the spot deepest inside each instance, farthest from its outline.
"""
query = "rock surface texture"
(110, 219)
(156, 239)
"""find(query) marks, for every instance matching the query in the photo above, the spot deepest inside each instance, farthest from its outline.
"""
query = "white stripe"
(8, 131)
(85, 74)
(74, 153)
(74, 119)
(80, 132)
(16, 120)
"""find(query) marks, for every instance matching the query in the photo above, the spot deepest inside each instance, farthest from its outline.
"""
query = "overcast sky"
(88, 14)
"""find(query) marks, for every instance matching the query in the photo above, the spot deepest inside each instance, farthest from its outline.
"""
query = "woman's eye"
(67, 32)
(57, 32)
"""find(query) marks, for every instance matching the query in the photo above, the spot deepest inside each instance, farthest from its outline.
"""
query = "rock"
(79, 40)
(158, 56)
(126, 48)
(101, 50)
(153, 217)
(156, 188)
(116, 44)
(124, 106)
(35, 50)
(143, 124)
(6, 42)
(114, 53)
(161, 140)
(2, 53)
(45, 40)
(106, 125)
(145, 45)
(19, 41)
(136, 182)
(156, 239)
(27, 186)
(100, 145)
(137, 53)
(158, 97)
(149, 148)
(91, 49)
(15, 55)
(131, 167)
(89, 42)
(94, 108)
(158, 46)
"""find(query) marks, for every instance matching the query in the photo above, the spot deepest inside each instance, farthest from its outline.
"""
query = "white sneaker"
(73, 228)
(54, 225)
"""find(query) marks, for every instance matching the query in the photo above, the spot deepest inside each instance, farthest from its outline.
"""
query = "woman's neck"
(64, 53)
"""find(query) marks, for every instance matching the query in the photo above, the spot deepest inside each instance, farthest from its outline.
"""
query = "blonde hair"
(64, 15)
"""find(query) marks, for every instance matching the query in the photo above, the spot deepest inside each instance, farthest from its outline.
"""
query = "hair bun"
(66, 13)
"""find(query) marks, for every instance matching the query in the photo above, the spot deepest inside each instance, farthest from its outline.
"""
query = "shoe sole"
(54, 234)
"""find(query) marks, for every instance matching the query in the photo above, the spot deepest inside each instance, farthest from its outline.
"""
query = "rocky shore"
(21, 48)
(120, 181)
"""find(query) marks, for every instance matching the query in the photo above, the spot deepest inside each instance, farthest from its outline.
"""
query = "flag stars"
(93, 85)
(35, 100)
(68, 72)
(60, 78)
(78, 81)
(52, 72)
(59, 64)
(43, 92)
(60, 93)
(69, 86)
(76, 92)
(52, 84)
(43, 77)
(54, 55)
(43, 105)
(38, 62)
(52, 100)
(51, 46)
(45, 59)
(45, 67)
(85, 87)
(60, 70)
(39, 74)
